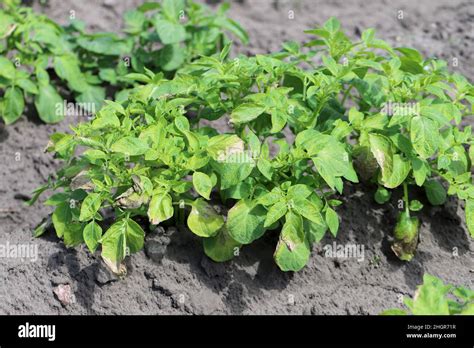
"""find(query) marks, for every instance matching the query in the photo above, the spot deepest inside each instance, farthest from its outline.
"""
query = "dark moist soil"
(176, 277)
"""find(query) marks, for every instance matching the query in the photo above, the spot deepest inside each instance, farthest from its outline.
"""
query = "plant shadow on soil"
(67, 261)
(254, 271)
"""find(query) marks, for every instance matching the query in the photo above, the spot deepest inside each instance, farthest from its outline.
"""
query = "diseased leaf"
(160, 208)
(292, 251)
(221, 247)
(381, 148)
(204, 220)
(121, 239)
(401, 169)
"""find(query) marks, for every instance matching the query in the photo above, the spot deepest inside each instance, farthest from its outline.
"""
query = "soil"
(173, 276)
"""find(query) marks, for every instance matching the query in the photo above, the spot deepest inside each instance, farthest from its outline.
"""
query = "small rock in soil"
(104, 276)
(64, 294)
(155, 250)
(156, 243)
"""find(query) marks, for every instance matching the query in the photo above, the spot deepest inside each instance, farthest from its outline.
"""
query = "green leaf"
(314, 232)
(221, 247)
(202, 184)
(430, 298)
(171, 57)
(173, 8)
(41, 228)
(92, 234)
(394, 311)
(134, 21)
(130, 146)
(382, 195)
(331, 160)
(275, 213)
(223, 144)
(421, 170)
(27, 85)
(14, 105)
(299, 191)
(308, 209)
(246, 113)
(410, 53)
(424, 136)
(204, 220)
(160, 208)
(332, 220)
(469, 211)
(278, 121)
(50, 104)
(435, 192)
(293, 250)
(106, 44)
(7, 69)
(90, 206)
(245, 221)
(62, 217)
(234, 168)
(92, 98)
(169, 32)
(332, 25)
(415, 205)
(73, 235)
(67, 68)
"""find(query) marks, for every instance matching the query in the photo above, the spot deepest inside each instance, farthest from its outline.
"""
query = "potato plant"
(28, 42)
(47, 62)
(150, 156)
(154, 152)
(159, 36)
(404, 113)
(434, 297)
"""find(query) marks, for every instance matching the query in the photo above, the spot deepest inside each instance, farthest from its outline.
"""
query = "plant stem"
(405, 198)
(305, 86)
(346, 94)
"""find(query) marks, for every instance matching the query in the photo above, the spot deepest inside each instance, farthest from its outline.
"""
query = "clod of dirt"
(155, 250)
(64, 294)
(103, 275)
(156, 244)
